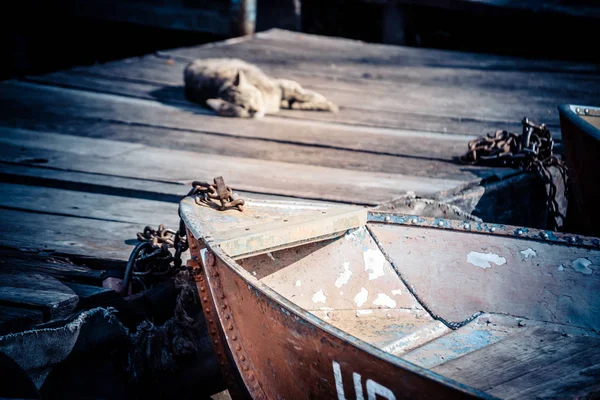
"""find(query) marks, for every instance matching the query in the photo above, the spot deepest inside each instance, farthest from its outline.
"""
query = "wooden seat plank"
(502, 368)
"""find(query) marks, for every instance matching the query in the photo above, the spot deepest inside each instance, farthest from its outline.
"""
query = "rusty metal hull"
(273, 345)
(580, 127)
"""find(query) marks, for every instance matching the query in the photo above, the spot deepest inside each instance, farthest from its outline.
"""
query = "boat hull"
(272, 350)
(582, 146)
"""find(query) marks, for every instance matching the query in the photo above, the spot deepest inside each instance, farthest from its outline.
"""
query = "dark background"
(39, 37)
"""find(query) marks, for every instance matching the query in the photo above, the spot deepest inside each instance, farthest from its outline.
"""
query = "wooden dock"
(91, 155)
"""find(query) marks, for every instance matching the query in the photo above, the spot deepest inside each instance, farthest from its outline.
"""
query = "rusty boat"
(316, 301)
(580, 127)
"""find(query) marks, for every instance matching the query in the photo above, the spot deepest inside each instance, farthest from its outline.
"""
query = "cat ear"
(240, 79)
(227, 109)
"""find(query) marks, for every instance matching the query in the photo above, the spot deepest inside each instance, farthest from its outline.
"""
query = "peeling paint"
(561, 268)
(298, 283)
(344, 276)
(384, 301)
(271, 256)
(363, 312)
(319, 297)
(582, 265)
(528, 253)
(361, 297)
(374, 262)
(482, 260)
(397, 292)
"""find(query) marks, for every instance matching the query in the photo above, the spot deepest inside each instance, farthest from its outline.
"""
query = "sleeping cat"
(235, 88)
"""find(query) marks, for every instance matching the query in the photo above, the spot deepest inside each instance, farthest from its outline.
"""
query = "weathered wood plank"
(102, 108)
(69, 235)
(18, 319)
(16, 261)
(293, 47)
(411, 105)
(37, 291)
(91, 206)
(149, 189)
(92, 296)
(514, 357)
(240, 173)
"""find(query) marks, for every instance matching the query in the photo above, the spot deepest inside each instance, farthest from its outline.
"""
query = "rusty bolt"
(212, 321)
(216, 342)
(242, 358)
(227, 316)
(234, 337)
(230, 327)
(202, 289)
(214, 332)
(238, 347)
(207, 310)
(205, 298)
(245, 368)
(224, 306)
(223, 296)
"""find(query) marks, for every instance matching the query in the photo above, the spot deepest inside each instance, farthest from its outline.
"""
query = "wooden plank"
(18, 319)
(294, 47)
(421, 155)
(410, 107)
(91, 206)
(101, 110)
(39, 292)
(240, 173)
(512, 363)
(16, 261)
(148, 189)
(416, 104)
(68, 235)
(92, 296)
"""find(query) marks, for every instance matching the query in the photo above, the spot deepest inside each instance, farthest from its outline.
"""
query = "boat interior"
(462, 304)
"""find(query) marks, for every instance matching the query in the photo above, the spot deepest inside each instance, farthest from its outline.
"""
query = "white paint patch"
(483, 260)
(361, 297)
(528, 253)
(397, 292)
(385, 301)
(561, 268)
(582, 265)
(298, 283)
(254, 273)
(363, 312)
(344, 276)
(374, 262)
(271, 256)
(354, 235)
(319, 297)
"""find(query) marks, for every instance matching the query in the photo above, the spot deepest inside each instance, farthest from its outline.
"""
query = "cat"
(235, 88)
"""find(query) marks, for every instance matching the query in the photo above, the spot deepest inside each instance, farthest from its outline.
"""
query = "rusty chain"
(152, 257)
(206, 192)
(531, 151)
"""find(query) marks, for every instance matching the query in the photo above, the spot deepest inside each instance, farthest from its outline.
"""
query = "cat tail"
(294, 96)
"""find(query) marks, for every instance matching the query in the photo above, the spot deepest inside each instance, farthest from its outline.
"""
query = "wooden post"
(243, 17)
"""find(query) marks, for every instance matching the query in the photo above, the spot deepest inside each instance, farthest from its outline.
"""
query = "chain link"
(531, 151)
(152, 256)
